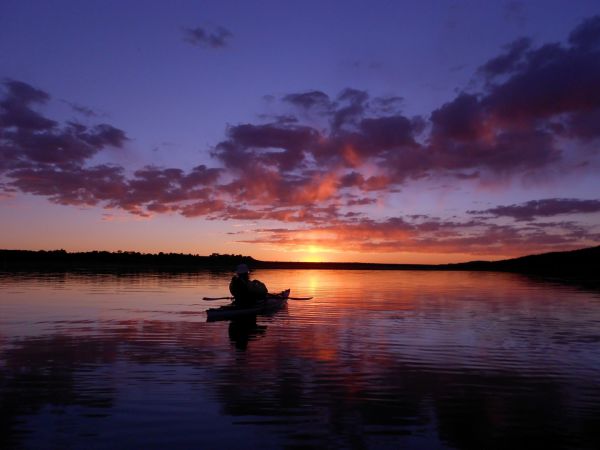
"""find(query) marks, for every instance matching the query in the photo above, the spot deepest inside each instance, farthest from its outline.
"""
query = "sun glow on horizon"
(314, 253)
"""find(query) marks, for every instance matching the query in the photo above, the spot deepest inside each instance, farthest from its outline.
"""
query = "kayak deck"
(273, 302)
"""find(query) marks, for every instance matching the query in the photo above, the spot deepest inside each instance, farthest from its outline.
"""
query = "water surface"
(378, 359)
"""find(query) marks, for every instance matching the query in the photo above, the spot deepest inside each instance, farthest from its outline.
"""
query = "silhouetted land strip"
(116, 261)
(580, 264)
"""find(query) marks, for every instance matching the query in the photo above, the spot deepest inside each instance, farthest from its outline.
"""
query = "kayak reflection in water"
(246, 292)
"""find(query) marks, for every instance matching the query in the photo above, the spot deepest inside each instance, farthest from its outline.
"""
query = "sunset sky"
(379, 131)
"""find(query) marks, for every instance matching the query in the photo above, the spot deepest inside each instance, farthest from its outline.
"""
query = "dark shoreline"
(580, 264)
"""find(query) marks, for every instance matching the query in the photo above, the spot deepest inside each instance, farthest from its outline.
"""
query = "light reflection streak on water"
(375, 359)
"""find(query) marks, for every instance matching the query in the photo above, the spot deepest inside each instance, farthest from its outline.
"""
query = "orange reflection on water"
(446, 317)
(374, 356)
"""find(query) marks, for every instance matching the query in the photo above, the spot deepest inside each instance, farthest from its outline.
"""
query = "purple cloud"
(462, 119)
(385, 133)
(29, 140)
(41, 157)
(583, 125)
(587, 34)
(201, 37)
(71, 144)
(533, 98)
(16, 107)
(507, 62)
(274, 145)
(543, 208)
(388, 105)
(72, 185)
(309, 100)
(550, 81)
(351, 105)
(83, 110)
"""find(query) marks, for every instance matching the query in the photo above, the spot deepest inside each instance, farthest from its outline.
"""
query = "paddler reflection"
(244, 330)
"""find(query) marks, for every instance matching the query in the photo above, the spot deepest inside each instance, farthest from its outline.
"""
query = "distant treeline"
(55, 259)
(583, 263)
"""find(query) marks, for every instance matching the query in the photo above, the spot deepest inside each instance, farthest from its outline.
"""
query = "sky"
(375, 131)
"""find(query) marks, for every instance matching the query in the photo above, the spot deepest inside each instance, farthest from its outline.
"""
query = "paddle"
(274, 295)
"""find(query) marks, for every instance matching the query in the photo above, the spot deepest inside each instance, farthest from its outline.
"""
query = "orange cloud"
(431, 236)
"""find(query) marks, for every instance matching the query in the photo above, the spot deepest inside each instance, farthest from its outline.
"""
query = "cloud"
(388, 132)
(430, 235)
(583, 125)
(150, 190)
(83, 110)
(351, 105)
(510, 153)
(587, 34)
(63, 146)
(357, 180)
(29, 140)
(202, 37)
(16, 107)
(462, 119)
(548, 81)
(360, 202)
(320, 159)
(72, 185)
(252, 144)
(165, 190)
(533, 99)
(387, 105)
(507, 62)
(286, 163)
(549, 207)
(39, 156)
(310, 99)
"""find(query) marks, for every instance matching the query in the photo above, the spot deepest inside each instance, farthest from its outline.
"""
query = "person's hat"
(242, 268)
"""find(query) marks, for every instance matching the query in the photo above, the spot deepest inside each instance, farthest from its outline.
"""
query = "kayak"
(272, 303)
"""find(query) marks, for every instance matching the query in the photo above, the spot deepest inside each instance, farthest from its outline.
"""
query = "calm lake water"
(378, 359)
